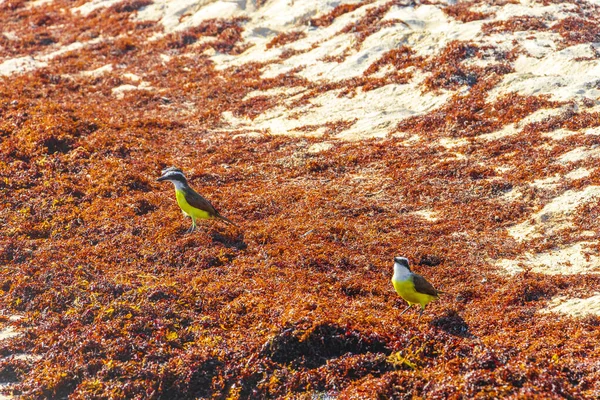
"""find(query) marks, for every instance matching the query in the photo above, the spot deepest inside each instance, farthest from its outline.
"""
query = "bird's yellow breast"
(406, 290)
(187, 208)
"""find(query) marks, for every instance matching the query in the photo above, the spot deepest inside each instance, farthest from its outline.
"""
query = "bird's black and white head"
(173, 175)
(401, 267)
(169, 169)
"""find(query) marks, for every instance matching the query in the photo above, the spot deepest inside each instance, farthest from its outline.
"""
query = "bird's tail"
(227, 220)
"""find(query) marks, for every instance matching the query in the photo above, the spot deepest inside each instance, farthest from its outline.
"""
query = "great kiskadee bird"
(192, 204)
(412, 287)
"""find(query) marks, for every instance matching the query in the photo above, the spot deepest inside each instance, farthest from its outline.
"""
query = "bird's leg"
(405, 310)
(193, 227)
(421, 313)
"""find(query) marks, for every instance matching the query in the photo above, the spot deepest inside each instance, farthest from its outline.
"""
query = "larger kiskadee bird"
(412, 287)
(191, 203)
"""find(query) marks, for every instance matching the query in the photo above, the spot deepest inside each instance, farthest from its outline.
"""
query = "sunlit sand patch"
(579, 153)
(267, 21)
(578, 173)
(451, 143)
(9, 34)
(3, 396)
(431, 29)
(319, 147)
(32, 62)
(376, 112)
(20, 64)
(500, 169)
(513, 194)
(90, 6)
(10, 332)
(515, 128)
(314, 68)
(424, 28)
(412, 140)
(592, 131)
(98, 71)
(183, 14)
(553, 181)
(132, 77)
(453, 156)
(536, 9)
(36, 3)
(559, 74)
(573, 259)
(507, 130)
(119, 91)
(277, 91)
(576, 307)
(547, 183)
(429, 215)
(554, 215)
(559, 134)
(277, 17)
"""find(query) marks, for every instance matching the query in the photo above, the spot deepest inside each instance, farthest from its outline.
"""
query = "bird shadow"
(235, 241)
(453, 324)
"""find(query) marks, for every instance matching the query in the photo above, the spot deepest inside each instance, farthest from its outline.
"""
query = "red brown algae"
(119, 303)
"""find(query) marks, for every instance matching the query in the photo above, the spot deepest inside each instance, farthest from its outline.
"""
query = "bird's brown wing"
(422, 286)
(196, 200)
(199, 202)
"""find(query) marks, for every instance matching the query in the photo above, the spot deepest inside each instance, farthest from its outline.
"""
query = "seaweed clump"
(449, 71)
(515, 24)
(327, 19)
(226, 33)
(285, 38)
(462, 12)
(577, 30)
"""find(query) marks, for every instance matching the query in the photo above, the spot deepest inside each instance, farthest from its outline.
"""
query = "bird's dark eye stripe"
(174, 175)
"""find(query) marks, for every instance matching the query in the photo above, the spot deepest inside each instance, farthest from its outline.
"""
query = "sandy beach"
(464, 136)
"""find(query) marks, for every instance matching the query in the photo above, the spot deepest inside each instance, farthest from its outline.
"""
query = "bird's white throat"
(401, 273)
(178, 185)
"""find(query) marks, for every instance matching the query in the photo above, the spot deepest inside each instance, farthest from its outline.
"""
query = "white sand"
(30, 63)
(578, 173)
(579, 153)
(319, 147)
(426, 29)
(428, 215)
(119, 91)
(555, 215)
(36, 3)
(573, 259)
(575, 306)
(7, 333)
(21, 64)
(98, 71)
(90, 6)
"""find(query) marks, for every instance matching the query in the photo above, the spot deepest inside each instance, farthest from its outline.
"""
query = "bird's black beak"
(162, 178)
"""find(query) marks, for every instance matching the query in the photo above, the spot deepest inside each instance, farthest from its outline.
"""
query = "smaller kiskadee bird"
(191, 203)
(412, 287)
